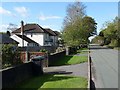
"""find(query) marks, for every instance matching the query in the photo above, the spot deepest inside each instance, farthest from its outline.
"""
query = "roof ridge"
(40, 27)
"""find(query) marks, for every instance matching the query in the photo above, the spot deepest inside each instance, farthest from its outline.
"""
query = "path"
(105, 63)
(75, 70)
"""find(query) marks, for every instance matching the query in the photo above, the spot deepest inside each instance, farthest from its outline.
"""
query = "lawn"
(54, 81)
(69, 60)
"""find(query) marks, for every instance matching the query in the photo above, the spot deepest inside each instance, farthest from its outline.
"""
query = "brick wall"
(32, 55)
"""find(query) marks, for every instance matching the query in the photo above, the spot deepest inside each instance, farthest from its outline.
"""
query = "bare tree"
(74, 11)
(12, 27)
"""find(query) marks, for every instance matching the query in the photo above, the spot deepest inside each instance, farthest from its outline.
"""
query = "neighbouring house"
(52, 38)
(40, 36)
(5, 39)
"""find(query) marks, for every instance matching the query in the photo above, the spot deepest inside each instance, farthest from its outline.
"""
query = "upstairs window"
(31, 34)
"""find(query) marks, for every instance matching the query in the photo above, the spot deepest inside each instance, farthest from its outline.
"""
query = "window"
(31, 34)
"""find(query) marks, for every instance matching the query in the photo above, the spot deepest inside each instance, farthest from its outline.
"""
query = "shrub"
(43, 50)
(10, 56)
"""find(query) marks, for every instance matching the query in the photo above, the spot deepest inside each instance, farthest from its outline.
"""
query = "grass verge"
(54, 81)
(69, 60)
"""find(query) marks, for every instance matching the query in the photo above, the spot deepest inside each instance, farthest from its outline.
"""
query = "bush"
(114, 43)
(10, 56)
(43, 50)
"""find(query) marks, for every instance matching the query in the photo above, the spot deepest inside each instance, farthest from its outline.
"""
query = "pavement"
(104, 66)
(73, 70)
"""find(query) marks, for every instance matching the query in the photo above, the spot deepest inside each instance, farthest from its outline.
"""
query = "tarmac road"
(104, 66)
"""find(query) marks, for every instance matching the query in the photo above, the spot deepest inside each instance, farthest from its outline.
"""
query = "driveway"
(74, 70)
(105, 66)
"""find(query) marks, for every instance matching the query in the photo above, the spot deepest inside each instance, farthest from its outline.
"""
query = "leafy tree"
(111, 33)
(98, 40)
(89, 25)
(72, 22)
(77, 26)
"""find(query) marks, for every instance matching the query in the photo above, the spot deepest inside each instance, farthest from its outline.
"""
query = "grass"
(69, 60)
(81, 51)
(83, 48)
(54, 81)
(57, 80)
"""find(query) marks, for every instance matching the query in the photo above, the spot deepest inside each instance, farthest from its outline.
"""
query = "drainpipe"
(22, 29)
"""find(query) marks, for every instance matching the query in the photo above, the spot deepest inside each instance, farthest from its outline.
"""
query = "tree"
(98, 40)
(89, 25)
(74, 12)
(111, 33)
(12, 27)
(77, 27)
(71, 25)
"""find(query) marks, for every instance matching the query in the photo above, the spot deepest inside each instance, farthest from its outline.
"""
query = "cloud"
(43, 17)
(53, 27)
(22, 11)
(3, 27)
(4, 11)
(46, 26)
(8, 27)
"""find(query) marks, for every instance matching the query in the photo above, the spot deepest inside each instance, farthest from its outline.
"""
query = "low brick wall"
(30, 55)
(15, 75)
(52, 58)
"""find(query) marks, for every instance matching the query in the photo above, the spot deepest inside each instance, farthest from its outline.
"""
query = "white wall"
(18, 39)
(37, 37)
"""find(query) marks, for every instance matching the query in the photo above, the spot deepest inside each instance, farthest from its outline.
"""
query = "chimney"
(22, 29)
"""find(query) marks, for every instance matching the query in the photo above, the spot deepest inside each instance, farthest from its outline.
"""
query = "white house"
(40, 36)
(26, 41)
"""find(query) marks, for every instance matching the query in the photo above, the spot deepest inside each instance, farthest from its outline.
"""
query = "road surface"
(104, 66)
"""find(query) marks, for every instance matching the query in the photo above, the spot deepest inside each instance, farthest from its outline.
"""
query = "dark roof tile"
(57, 33)
(51, 32)
(29, 28)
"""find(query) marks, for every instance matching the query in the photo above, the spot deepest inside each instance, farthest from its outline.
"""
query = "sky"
(52, 14)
